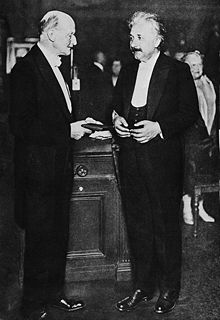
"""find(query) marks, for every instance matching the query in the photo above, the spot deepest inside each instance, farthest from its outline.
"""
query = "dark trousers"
(46, 187)
(151, 200)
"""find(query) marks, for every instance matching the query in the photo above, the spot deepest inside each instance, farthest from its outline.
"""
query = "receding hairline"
(54, 18)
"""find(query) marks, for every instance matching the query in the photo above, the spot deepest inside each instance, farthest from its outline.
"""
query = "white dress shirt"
(99, 65)
(114, 80)
(55, 62)
(145, 69)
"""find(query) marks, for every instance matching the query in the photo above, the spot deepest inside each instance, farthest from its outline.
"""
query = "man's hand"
(121, 127)
(101, 135)
(148, 131)
(91, 120)
(77, 131)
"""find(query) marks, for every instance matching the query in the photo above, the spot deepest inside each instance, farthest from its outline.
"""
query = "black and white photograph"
(109, 159)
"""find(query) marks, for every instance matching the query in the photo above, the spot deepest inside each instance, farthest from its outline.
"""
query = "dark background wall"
(101, 24)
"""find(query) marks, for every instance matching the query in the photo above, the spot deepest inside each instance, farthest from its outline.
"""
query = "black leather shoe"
(67, 304)
(166, 302)
(131, 302)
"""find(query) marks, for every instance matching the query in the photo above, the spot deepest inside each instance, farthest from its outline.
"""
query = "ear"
(51, 35)
(157, 41)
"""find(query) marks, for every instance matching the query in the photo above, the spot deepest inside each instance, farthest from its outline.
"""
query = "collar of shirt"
(145, 69)
(99, 65)
(53, 60)
(150, 63)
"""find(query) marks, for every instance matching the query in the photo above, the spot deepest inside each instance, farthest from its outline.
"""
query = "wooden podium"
(97, 242)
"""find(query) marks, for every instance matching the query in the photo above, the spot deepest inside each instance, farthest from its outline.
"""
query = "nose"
(134, 43)
(196, 69)
(73, 41)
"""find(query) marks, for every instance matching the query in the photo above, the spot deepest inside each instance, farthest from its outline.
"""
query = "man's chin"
(197, 76)
(138, 55)
(67, 52)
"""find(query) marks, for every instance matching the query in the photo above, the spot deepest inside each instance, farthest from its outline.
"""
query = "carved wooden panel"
(94, 243)
(88, 215)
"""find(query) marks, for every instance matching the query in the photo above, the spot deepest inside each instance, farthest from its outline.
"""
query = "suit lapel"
(50, 80)
(130, 83)
(157, 84)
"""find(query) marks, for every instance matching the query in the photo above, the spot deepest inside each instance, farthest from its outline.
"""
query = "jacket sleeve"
(187, 109)
(117, 101)
(23, 119)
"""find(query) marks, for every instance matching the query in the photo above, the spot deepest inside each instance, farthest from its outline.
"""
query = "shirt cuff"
(114, 115)
(159, 129)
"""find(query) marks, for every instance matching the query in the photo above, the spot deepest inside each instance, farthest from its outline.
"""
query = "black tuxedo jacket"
(172, 98)
(40, 121)
(172, 102)
(38, 114)
(152, 173)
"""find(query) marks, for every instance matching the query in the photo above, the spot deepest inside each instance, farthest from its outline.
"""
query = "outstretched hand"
(77, 131)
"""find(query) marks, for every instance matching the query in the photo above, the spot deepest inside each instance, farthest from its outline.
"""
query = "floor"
(200, 294)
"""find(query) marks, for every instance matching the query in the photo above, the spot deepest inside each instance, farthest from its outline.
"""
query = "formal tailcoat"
(152, 173)
(40, 122)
